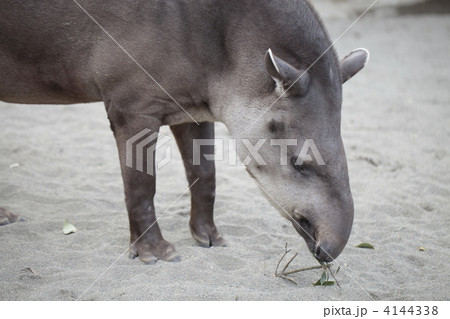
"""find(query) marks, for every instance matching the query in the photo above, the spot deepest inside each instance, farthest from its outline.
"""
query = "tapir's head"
(295, 153)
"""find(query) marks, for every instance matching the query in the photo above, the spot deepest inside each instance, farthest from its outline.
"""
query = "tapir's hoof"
(207, 235)
(151, 253)
(6, 217)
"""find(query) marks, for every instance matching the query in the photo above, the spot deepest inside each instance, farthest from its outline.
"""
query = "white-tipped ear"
(286, 76)
(353, 63)
(272, 59)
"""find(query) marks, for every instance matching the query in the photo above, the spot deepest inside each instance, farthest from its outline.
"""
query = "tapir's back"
(54, 52)
(44, 46)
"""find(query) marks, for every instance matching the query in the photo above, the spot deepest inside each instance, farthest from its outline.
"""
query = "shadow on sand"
(427, 7)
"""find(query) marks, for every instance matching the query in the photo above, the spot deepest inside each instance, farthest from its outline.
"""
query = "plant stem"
(301, 269)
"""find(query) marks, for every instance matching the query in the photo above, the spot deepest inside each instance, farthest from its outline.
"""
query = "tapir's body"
(176, 63)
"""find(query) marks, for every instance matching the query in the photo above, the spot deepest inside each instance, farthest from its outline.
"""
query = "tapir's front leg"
(146, 239)
(202, 224)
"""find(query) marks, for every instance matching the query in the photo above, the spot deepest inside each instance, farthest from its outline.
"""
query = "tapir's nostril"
(317, 251)
(322, 252)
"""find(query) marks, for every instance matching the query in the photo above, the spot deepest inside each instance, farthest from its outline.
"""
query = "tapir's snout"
(327, 251)
(325, 239)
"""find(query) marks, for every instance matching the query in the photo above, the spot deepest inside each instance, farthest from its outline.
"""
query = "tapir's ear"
(286, 76)
(353, 63)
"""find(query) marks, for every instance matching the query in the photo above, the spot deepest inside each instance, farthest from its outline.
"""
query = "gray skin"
(213, 59)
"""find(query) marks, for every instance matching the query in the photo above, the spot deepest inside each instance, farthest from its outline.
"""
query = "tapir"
(266, 69)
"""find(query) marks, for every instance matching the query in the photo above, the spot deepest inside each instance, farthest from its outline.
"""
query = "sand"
(395, 125)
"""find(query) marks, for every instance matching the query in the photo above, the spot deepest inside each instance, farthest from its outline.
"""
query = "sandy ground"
(396, 131)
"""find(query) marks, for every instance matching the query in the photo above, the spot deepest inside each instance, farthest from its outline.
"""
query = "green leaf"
(68, 228)
(365, 245)
(326, 283)
(323, 278)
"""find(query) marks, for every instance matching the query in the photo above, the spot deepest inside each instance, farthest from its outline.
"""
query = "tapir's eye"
(298, 167)
(305, 224)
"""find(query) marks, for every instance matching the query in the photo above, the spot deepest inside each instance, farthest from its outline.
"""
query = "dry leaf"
(68, 228)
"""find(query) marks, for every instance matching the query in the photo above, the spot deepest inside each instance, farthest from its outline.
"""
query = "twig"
(301, 269)
(286, 251)
(287, 278)
(337, 282)
(284, 274)
(287, 265)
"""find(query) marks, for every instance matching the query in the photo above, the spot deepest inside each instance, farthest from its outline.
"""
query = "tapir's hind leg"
(146, 238)
(6, 217)
(202, 224)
